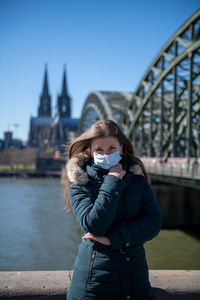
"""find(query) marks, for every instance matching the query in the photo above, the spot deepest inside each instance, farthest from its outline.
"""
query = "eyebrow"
(96, 146)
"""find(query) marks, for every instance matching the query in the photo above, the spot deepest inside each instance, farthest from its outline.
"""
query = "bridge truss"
(105, 105)
(162, 117)
(166, 104)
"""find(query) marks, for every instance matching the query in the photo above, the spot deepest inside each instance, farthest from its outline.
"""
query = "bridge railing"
(176, 167)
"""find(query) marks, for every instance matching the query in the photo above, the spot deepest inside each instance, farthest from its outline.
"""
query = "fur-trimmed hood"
(77, 174)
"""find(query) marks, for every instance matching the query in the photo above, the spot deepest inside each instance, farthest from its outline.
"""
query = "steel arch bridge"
(105, 105)
(162, 117)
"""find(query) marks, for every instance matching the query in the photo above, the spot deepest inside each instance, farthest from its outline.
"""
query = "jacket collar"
(81, 169)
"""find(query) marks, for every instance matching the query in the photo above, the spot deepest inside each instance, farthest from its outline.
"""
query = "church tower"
(64, 100)
(44, 109)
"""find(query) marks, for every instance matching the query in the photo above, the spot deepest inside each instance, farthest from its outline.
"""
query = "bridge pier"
(180, 205)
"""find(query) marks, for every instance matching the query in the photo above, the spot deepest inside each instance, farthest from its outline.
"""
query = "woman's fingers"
(117, 171)
(101, 239)
(88, 236)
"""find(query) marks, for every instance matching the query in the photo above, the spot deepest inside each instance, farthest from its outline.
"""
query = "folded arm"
(142, 229)
(96, 216)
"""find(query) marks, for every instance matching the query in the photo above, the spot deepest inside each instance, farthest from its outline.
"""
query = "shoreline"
(30, 174)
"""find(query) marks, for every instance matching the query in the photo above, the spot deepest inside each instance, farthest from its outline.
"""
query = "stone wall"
(167, 284)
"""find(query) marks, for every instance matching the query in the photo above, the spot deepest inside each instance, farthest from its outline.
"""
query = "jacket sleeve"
(142, 229)
(97, 216)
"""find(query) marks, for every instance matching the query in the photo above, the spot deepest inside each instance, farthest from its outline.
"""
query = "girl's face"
(105, 145)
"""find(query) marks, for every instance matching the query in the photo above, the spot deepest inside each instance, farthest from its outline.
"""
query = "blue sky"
(106, 45)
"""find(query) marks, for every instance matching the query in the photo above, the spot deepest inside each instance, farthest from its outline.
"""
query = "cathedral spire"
(64, 85)
(64, 100)
(44, 109)
(45, 91)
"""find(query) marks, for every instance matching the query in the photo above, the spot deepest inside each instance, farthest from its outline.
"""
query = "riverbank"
(43, 167)
(29, 173)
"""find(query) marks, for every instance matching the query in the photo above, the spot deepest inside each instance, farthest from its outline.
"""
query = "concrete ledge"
(167, 284)
(175, 284)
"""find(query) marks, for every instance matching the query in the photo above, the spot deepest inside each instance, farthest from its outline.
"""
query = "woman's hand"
(117, 171)
(101, 239)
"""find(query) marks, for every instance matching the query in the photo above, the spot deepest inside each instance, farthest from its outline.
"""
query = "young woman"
(115, 206)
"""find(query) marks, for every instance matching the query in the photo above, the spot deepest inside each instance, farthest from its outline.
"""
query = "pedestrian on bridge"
(113, 202)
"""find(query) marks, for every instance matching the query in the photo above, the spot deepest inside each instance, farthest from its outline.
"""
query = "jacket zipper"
(91, 265)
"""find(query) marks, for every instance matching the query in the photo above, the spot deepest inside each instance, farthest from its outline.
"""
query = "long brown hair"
(102, 128)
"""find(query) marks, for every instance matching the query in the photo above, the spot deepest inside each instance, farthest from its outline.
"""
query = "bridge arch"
(103, 105)
(166, 103)
(162, 117)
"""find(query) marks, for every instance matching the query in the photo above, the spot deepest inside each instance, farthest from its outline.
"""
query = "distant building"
(8, 136)
(1, 144)
(47, 131)
(10, 142)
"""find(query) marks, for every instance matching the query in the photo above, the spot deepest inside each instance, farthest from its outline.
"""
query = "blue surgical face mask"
(107, 161)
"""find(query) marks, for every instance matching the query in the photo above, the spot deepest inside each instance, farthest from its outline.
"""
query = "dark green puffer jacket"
(124, 210)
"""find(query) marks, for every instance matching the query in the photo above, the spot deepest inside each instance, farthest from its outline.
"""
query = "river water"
(36, 233)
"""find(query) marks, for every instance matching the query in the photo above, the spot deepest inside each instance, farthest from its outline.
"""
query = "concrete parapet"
(175, 284)
(167, 284)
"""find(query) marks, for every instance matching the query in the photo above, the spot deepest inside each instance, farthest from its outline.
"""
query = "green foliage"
(17, 167)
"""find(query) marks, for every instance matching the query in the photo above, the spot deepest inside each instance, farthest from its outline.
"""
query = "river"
(36, 233)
